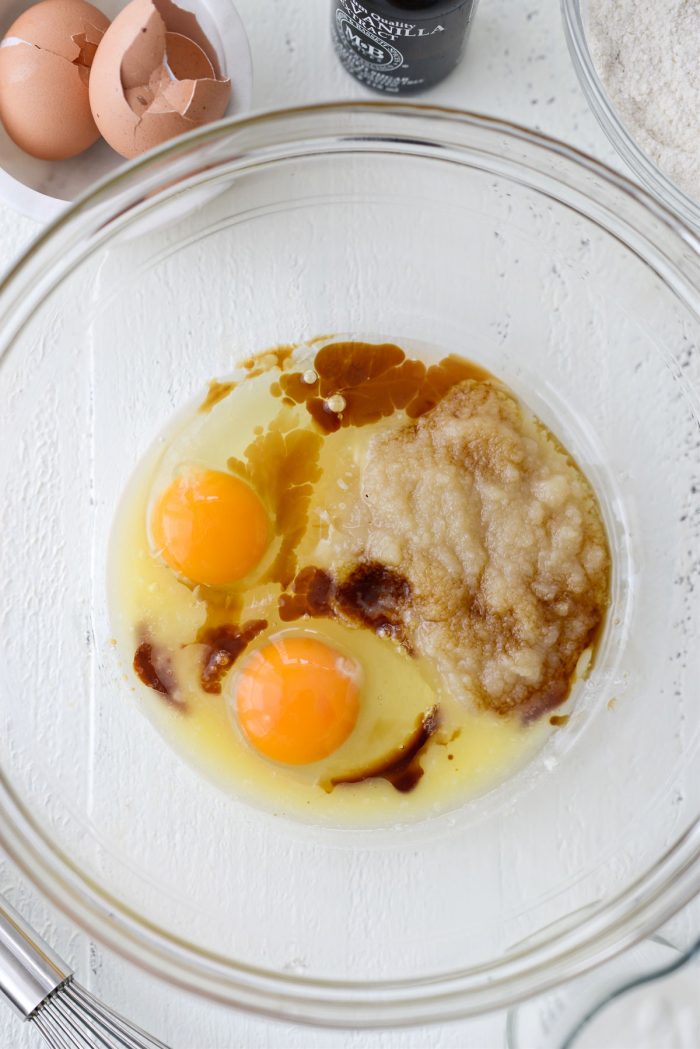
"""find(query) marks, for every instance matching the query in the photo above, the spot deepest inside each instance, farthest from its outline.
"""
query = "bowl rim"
(530, 968)
(605, 113)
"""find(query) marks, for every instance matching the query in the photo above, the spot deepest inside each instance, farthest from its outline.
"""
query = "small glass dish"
(647, 998)
(575, 15)
(42, 189)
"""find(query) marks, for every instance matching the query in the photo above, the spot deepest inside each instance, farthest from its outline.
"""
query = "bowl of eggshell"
(84, 88)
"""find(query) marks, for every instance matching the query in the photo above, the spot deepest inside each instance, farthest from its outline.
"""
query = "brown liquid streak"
(223, 645)
(153, 669)
(374, 380)
(218, 391)
(401, 767)
(372, 595)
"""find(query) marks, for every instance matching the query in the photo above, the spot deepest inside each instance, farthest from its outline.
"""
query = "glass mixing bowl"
(575, 16)
(420, 223)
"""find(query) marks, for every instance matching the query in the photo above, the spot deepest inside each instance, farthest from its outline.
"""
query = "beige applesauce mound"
(500, 538)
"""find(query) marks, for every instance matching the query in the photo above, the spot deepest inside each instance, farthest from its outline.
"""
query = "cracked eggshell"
(155, 76)
(45, 61)
(41, 189)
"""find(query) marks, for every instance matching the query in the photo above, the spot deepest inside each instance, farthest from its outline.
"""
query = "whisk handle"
(29, 969)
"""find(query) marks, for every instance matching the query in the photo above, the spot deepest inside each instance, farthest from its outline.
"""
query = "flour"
(647, 53)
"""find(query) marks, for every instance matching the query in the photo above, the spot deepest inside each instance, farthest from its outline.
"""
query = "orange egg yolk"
(297, 700)
(210, 527)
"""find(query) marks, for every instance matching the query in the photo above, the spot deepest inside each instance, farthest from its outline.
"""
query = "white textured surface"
(517, 67)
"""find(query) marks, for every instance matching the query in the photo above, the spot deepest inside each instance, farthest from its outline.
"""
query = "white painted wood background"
(517, 66)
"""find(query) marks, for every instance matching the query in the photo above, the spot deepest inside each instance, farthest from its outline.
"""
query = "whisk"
(42, 989)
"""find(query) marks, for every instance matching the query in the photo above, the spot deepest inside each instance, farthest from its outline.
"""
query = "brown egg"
(155, 76)
(45, 62)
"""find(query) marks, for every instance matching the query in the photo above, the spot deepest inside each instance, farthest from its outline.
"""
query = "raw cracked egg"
(155, 76)
(45, 63)
(210, 527)
(297, 699)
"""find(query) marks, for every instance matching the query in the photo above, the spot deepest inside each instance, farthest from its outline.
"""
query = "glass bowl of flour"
(637, 61)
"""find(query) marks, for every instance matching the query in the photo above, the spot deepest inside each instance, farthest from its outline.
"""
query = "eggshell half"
(185, 23)
(186, 58)
(45, 62)
(155, 76)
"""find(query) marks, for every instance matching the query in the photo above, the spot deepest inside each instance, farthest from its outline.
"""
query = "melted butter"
(278, 448)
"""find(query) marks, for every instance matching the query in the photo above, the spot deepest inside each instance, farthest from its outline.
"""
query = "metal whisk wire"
(41, 988)
(73, 1018)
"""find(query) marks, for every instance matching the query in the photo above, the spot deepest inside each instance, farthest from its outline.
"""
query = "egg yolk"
(297, 700)
(210, 527)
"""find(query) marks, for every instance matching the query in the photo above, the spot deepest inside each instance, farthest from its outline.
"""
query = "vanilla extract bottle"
(401, 46)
